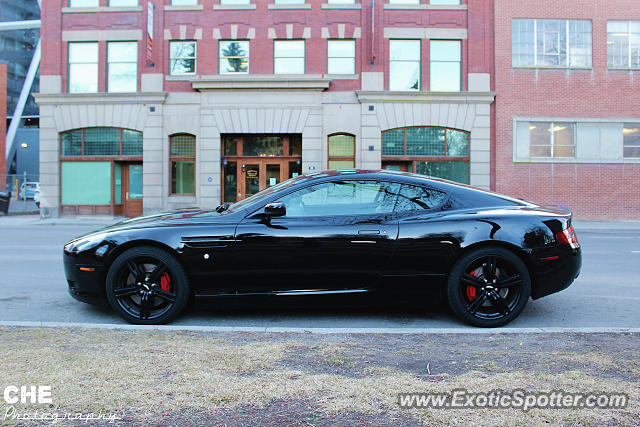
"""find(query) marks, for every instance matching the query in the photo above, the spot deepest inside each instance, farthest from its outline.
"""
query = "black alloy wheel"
(489, 287)
(146, 285)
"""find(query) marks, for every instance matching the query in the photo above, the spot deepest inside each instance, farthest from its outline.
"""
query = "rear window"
(416, 198)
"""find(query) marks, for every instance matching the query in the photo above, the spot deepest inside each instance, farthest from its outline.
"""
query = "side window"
(415, 198)
(342, 198)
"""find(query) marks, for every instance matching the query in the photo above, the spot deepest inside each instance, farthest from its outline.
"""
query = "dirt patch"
(178, 378)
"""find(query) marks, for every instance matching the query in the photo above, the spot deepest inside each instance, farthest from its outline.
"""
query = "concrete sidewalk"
(31, 220)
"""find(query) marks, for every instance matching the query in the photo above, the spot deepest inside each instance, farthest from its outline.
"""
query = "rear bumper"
(84, 285)
(555, 275)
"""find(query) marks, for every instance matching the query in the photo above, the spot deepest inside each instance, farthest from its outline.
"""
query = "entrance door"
(132, 189)
(247, 176)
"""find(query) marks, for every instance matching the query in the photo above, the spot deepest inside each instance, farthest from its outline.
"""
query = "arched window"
(101, 141)
(427, 150)
(183, 164)
(342, 151)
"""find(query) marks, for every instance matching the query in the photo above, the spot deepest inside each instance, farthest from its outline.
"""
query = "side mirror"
(275, 209)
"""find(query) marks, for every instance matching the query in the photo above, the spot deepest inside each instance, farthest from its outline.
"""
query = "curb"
(319, 331)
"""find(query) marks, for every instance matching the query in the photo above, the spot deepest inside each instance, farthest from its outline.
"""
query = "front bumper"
(84, 281)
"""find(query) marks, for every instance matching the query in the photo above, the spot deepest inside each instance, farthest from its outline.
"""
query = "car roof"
(409, 178)
(381, 174)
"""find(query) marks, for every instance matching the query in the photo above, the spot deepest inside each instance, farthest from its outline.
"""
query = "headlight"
(84, 243)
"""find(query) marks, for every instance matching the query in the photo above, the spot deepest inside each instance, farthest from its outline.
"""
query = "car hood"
(190, 216)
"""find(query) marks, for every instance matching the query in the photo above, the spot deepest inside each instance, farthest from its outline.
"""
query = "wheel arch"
(516, 250)
(120, 249)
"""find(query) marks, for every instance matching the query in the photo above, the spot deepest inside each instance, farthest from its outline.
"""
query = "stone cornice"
(100, 98)
(253, 82)
(427, 97)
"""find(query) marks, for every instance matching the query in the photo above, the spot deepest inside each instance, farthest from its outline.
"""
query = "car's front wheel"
(147, 285)
(489, 287)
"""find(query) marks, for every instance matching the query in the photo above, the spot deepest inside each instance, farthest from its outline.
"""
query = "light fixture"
(24, 145)
(628, 131)
(532, 127)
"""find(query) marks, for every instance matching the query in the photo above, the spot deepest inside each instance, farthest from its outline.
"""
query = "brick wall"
(592, 191)
(202, 24)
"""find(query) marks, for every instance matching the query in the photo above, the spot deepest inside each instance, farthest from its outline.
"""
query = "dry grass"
(145, 375)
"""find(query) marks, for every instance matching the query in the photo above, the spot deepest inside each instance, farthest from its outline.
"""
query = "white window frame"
(109, 63)
(220, 57)
(354, 57)
(567, 64)
(629, 43)
(135, 3)
(96, 3)
(419, 61)
(195, 58)
(303, 57)
(69, 66)
(432, 63)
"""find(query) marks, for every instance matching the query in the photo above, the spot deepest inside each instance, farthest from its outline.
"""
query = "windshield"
(262, 195)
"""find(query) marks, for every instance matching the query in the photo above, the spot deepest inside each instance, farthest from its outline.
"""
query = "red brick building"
(567, 121)
(194, 102)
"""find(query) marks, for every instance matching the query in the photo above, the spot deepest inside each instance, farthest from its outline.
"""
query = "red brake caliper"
(471, 290)
(165, 282)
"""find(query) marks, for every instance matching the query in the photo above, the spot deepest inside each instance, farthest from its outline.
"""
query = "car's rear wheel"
(489, 287)
(147, 285)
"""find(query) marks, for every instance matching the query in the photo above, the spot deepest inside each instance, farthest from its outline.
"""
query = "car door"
(335, 236)
(425, 243)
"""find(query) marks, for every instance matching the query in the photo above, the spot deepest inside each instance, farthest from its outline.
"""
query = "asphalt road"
(606, 295)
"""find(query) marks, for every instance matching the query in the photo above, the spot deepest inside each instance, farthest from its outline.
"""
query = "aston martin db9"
(334, 233)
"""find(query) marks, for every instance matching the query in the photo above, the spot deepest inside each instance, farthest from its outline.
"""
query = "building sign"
(150, 13)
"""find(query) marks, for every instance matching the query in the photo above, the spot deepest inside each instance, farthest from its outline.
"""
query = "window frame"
(195, 2)
(173, 159)
(83, 156)
(403, 213)
(70, 4)
(431, 63)
(108, 63)
(630, 46)
(195, 58)
(419, 61)
(346, 179)
(134, 5)
(97, 63)
(220, 57)
(355, 56)
(567, 45)
(412, 161)
(304, 56)
(552, 136)
(635, 126)
(341, 158)
(280, 2)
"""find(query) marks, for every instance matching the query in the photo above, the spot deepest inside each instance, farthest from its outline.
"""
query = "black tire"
(488, 287)
(147, 286)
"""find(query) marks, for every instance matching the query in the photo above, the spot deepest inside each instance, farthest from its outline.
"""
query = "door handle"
(369, 232)
(370, 242)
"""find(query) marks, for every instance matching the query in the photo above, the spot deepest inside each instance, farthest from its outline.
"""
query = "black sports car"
(335, 232)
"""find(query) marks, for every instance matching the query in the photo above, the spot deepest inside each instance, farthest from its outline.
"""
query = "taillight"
(568, 237)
